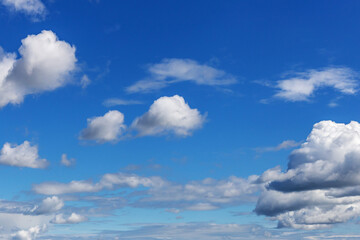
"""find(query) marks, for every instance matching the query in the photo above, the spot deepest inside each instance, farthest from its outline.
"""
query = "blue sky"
(179, 119)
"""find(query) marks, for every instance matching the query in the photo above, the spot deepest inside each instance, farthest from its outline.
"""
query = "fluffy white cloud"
(303, 85)
(174, 70)
(48, 205)
(319, 187)
(23, 155)
(34, 8)
(107, 128)
(72, 219)
(29, 234)
(169, 115)
(45, 65)
(67, 162)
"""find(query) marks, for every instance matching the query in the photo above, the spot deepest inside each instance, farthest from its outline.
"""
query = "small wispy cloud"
(65, 161)
(284, 145)
(85, 81)
(303, 85)
(174, 70)
(111, 102)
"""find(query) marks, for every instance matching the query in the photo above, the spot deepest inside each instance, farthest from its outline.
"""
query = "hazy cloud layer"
(207, 194)
(23, 155)
(318, 188)
(45, 65)
(174, 70)
(169, 115)
(107, 128)
(303, 85)
(202, 231)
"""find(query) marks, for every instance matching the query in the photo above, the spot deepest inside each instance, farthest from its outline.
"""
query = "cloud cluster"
(105, 128)
(23, 155)
(303, 85)
(45, 65)
(34, 8)
(169, 114)
(175, 70)
(320, 186)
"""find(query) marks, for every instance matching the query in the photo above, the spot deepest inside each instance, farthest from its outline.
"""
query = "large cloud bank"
(321, 184)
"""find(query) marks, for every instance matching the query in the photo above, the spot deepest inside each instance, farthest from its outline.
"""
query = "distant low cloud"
(320, 186)
(108, 181)
(45, 65)
(107, 128)
(169, 115)
(28, 234)
(23, 155)
(174, 70)
(47, 206)
(34, 8)
(65, 161)
(303, 85)
(111, 102)
(85, 81)
(203, 195)
(72, 219)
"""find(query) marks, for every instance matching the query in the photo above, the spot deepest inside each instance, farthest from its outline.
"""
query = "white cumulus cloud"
(175, 70)
(23, 155)
(34, 8)
(320, 186)
(107, 128)
(303, 85)
(169, 115)
(45, 65)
